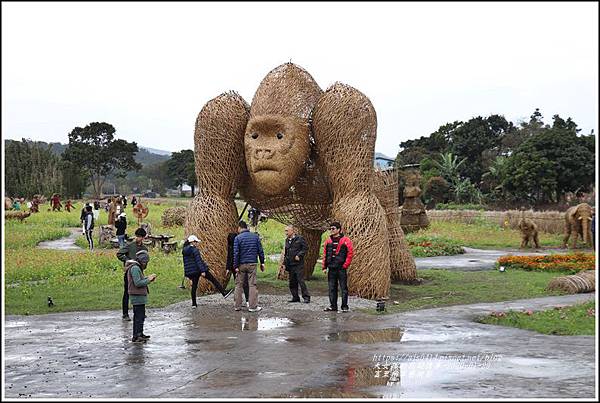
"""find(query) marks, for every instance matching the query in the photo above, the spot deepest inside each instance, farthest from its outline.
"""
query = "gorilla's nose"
(263, 153)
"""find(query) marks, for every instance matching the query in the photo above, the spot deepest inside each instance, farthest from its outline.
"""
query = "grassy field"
(575, 320)
(485, 235)
(84, 280)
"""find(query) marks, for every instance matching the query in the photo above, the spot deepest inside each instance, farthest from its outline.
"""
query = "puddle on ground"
(254, 323)
(391, 378)
(327, 392)
(388, 335)
(243, 323)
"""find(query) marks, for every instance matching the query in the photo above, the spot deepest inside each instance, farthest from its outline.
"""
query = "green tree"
(31, 169)
(181, 169)
(96, 151)
(552, 162)
(449, 167)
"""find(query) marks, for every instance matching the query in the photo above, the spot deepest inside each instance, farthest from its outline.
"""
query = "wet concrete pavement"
(476, 259)
(67, 243)
(295, 350)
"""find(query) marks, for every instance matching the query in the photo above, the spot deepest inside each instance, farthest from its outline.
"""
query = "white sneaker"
(258, 308)
(194, 307)
(247, 304)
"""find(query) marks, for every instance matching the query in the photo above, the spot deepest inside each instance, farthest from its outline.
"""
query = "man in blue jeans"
(246, 248)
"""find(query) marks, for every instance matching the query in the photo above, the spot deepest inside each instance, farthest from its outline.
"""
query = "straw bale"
(584, 281)
(174, 216)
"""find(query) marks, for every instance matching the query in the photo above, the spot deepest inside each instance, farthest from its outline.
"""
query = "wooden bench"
(169, 247)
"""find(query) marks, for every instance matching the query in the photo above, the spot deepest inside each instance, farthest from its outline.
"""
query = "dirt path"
(67, 243)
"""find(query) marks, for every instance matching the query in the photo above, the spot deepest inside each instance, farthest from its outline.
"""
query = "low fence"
(547, 221)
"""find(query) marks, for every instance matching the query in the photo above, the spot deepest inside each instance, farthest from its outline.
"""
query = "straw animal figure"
(16, 215)
(529, 232)
(304, 157)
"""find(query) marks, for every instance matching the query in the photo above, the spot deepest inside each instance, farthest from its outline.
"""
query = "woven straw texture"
(584, 281)
(303, 157)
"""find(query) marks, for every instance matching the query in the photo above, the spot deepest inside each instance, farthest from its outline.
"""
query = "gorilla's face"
(276, 149)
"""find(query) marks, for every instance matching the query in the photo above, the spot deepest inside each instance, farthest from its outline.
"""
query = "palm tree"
(448, 167)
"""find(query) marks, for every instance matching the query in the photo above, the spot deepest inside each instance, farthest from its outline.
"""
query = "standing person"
(121, 226)
(138, 291)
(69, 206)
(128, 252)
(246, 248)
(294, 252)
(96, 210)
(124, 201)
(194, 268)
(337, 256)
(17, 205)
(82, 217)
(133, 201)
(229, 265)
(88, 226)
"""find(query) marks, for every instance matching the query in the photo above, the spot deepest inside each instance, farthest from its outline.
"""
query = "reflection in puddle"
(392, 378)
(254, 323)
(393, 334)
(327, 392)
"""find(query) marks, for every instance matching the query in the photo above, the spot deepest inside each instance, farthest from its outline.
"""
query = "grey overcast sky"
(148, 68)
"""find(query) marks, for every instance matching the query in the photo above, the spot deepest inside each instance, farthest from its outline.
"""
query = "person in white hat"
(121, 226)
(194, 268)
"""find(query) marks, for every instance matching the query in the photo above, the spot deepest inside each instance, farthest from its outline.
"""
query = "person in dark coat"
(229, 267)
(295, 250)
(194, 268)
(121, 226)
(129, 252)
(247, 250)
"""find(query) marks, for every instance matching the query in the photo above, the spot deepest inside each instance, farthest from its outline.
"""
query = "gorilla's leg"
(524, 238)
(344, 125)
(536, 240)
(402, 264)
(220, 166)
(313, 240)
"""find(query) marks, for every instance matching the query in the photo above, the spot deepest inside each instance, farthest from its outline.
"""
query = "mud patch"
(389, 335)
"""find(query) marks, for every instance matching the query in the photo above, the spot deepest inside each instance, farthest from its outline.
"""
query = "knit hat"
(142, 256)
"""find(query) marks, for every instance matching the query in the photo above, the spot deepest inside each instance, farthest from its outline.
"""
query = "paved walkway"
(295, 350)
(476, 259)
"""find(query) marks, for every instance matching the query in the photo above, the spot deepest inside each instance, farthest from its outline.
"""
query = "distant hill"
(146, 156)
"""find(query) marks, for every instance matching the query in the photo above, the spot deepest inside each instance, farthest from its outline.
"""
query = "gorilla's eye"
(254, 136)
(279, 135)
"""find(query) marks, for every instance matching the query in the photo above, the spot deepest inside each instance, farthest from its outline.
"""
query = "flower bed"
(568, 263)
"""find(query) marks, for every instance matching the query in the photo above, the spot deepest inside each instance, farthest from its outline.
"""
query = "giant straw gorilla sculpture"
(305, 157)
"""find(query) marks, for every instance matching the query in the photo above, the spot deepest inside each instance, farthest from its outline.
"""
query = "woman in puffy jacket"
(194, 268)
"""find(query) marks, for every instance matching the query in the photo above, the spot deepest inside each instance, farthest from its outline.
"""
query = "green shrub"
(457, 206)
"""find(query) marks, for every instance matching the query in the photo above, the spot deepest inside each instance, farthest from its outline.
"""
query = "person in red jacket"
(337, 256)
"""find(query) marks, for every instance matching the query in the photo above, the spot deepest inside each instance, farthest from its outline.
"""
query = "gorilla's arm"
(220, 166)
(344, 125)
